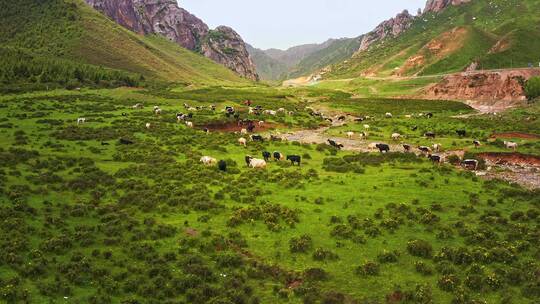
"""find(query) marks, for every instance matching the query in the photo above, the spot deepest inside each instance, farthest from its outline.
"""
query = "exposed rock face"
(389, 28)
(483, 86)
(435, 6)
(164, 17)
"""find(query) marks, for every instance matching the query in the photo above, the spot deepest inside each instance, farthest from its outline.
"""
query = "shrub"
(423, 268)
(388, 257)
(448, 282)
(315, 274)
(532, 88)
(369, 268)
(300, 244)
(322, 254)
(420, 248)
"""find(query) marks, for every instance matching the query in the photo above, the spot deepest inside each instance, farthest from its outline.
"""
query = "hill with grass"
(40, 37)
(445, 38)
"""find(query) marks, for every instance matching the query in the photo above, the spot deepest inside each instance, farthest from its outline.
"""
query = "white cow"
(437, 147)
(388, 115)
(511, 145)
(257, 163)
(138, 106)
(270, 112)
(148, 125)
(396, 136)
(189, 124)
(261, 123)
(350, 135)
(157, 111)
(209, 161)
(366, 127)
(242, 141)
(81, 120)
(243, 131)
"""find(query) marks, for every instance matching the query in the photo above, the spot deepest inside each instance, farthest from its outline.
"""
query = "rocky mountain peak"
(389, 28)
(435, 6)
(166, 18)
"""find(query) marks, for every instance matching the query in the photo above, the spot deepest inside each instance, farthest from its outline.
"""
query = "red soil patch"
(515, 135)
(512, 159)
(234, 127)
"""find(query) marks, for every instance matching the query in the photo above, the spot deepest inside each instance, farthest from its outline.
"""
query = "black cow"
(103, 143)
(257, 138)
(342, 118)
(360, 119)
(383, 148)
(429, 115)
(335, 144)
(435, 158)
(124, 141)
(414, 128)
(222, 165)
(407, 147)
(251, 127)
(429, 135)
(266, 155)
(461, 133)
(470, 164)
(294, 159)
(277, 156)
(477, 143)
(424, 149)
(124, 114)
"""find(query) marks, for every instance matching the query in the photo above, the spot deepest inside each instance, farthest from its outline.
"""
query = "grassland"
(86, 222)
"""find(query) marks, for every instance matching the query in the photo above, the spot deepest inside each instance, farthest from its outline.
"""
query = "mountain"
(275, 64)
(166, 18)
(46, 36)
(449, 36)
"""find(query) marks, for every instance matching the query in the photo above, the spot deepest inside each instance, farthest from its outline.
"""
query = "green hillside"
(338, 51)
(495, 34)
(71, 31)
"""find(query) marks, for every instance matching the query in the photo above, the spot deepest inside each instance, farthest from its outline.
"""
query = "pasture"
(87, 218)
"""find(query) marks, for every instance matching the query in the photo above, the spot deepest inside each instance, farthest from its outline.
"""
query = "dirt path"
(526, 172)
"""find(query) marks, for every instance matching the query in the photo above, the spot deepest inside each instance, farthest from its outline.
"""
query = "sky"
(285, 23)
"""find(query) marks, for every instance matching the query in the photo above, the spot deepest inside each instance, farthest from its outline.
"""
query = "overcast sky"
(285, 23)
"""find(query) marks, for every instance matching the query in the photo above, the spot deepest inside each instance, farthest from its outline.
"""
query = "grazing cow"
(266, 155)
(251, 127)
(103, 143)
(360, 119)
(342, 118)
(208, 161)
(363, 135)
(366, 127)
(222, 165)
(261, 123)
(435, 158)
(470, 164)
(244, 131)
(429, 135)
(186, 106)
(148, 125)
(189, 124)
(350, 135)
(294, 159)
(511, 145)
(255, 163)
(372, 146)
(388, 115)
(242, 141)
(396, 136)
(138, 106)
(461, 133)
(251, 111)
(258, 138)
(414, 128)
(81, 120)
(157, 111)
(270, 112)
(335, 144)
(408, 116)
(407, 148)
(206, 130)
(477, 143)
(275, 138)
(213, 108)
(437, 147)
(124, 141)
(424, 149)
(383, 148)
(248, 102)
(278, 156)
(429, 115)
(281, 110)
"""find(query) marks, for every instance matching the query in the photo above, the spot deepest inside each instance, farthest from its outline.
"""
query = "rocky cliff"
(166, 18)
(435, 6)
(389, 28)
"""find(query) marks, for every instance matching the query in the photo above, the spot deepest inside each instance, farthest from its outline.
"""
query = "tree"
(532, 88)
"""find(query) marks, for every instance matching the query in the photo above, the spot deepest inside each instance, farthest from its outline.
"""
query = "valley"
(142, 163)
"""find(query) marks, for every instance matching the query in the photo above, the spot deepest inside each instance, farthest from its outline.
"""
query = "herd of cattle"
(248, 126)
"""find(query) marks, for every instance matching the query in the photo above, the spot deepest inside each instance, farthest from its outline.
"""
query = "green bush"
(532, 88)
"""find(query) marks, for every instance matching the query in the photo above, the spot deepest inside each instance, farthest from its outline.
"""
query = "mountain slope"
(267, 67)
(73, 31)
(452, 36)
(166, 18)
